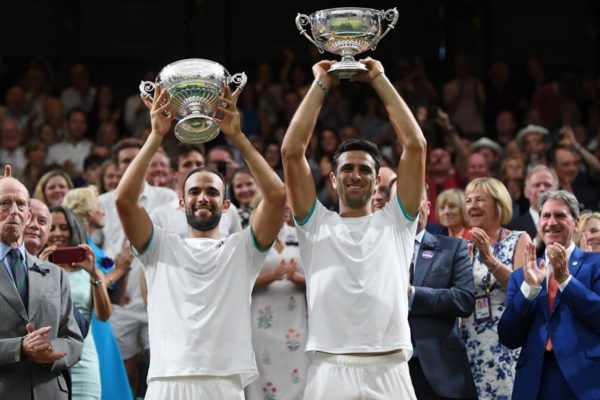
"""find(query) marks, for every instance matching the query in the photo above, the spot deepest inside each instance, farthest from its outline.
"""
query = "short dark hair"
(361, 145)
(223, 147)
(204, 169)
(92, 160)
(182, 149)
(127, 143)
(77, 110)
(554, 149)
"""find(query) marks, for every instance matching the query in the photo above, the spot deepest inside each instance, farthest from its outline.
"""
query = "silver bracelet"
(321, 86)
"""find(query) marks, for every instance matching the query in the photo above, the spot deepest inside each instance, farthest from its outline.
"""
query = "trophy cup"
(194, 86)
(346, 31)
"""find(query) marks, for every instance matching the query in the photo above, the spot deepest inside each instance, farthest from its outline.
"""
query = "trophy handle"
(240, 80)
(147, 88)
(301, 20)
(389, 15)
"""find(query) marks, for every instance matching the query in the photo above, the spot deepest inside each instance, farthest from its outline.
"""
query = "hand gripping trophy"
(346, 31)
(194, 86)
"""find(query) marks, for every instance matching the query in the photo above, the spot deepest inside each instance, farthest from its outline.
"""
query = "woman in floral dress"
(279, 322)
(496, 253)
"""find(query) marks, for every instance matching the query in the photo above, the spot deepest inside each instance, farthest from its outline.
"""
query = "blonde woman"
(497, 251)
(451, 211)
(113, 377)
(52, 187)
(588, 232)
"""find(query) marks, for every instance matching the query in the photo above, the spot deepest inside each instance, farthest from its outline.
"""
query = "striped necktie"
(19, 273)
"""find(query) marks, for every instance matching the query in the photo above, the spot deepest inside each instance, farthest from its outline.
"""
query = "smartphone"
(67, 255)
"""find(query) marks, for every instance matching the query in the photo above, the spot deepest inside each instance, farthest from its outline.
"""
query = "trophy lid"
(337, 10)
(192, 68)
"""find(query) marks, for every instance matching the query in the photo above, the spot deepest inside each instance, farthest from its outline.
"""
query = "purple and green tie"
(19, 274)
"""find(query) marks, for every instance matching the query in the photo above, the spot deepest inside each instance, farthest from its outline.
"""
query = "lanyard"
(488, 277)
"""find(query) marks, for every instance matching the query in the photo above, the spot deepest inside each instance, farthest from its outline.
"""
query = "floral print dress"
(279, 329)
(492, 364)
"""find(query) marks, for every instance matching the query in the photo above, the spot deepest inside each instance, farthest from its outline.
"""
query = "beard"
(203, 224)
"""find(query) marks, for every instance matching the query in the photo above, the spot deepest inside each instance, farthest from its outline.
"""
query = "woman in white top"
(279, 321)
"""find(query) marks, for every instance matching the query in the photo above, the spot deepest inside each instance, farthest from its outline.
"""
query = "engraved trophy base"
(346, 69)
(196, 129)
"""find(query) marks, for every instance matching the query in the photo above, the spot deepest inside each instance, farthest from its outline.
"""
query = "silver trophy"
(194, 86)
(347, 31)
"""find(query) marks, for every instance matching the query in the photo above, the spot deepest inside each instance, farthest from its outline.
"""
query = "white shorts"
(338, 377)
(130, 327)
(195, 387)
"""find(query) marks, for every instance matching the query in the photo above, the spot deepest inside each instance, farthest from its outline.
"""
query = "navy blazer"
(444, 291)
(573, 325)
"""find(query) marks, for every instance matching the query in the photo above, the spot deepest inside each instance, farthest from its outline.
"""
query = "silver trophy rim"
(344, 9)
(174, 63)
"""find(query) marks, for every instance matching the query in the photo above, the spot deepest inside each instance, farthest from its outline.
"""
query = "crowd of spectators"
(496, 124)
(531, 133)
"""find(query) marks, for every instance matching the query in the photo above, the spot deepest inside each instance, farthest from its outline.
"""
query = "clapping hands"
(38, 347)
(534, 274)
(287, 270)
(482, 243)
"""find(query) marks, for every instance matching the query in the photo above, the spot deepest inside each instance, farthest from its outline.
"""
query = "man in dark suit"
(553, 311)
(441, 291)
(539, 180)
(39, 337)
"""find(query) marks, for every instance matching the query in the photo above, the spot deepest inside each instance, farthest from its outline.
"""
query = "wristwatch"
(97, 283)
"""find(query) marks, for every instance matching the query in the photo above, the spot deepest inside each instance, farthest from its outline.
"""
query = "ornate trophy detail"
(346, 31)
(194, 86)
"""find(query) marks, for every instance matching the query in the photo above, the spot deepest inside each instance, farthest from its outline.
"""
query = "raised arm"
(266, 219)
(411, 168)
(300, 185)
(135, 220)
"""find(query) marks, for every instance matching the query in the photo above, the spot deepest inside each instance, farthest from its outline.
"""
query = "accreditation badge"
(483, 308)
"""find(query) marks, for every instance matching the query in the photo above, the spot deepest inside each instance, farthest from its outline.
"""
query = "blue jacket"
(573, 326)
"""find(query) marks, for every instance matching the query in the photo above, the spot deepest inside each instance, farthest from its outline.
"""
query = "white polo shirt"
(199, 294)
(357, 272)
